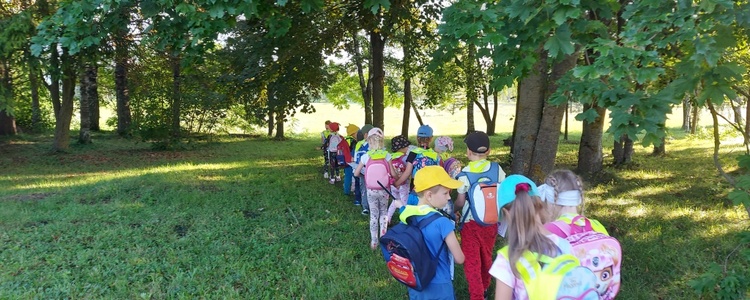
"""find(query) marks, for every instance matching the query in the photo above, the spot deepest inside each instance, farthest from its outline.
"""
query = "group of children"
(420, 179)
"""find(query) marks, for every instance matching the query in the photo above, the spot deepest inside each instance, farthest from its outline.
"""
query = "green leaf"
(744, 161)
(560, 43)
(588, 116)
(739, 197)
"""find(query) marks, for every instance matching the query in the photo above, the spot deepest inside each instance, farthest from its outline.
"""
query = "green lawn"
(254, 219)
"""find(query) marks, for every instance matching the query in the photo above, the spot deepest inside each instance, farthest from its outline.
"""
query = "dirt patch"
(181, 230)
(27, 197)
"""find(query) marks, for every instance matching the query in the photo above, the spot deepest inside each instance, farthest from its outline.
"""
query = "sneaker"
(357, 203)
(365, 212)
(338, 178)
(332, 181)
(325, 175)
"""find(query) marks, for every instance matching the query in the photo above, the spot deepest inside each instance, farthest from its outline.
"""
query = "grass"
(253, 218)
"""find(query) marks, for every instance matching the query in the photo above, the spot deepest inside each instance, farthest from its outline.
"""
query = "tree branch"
(717, 143)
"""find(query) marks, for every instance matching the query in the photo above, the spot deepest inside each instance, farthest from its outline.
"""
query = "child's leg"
(378, 206)
(357, 192)
(365, 203)
(471, 246)
(382, 208)
(347, 180)
(371, 195)
(326, 162)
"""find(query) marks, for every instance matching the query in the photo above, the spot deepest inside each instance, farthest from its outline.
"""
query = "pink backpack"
(377, 170)
(598, 252)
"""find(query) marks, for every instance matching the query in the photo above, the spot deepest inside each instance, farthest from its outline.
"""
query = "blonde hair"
(424, 142)
(433, 189)
(376, 142)
(527, 216)
(563, 181)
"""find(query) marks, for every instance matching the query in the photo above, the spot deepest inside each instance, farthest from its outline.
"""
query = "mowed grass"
(254, 219)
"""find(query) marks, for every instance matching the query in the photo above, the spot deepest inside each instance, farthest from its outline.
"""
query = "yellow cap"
(430, 176)
(351, 130)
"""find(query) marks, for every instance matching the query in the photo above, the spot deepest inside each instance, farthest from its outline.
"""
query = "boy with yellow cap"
(433, 186)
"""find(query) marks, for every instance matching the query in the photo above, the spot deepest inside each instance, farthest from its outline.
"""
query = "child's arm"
(452, 242)
(358, 170)
(460, 201)
(502, 291)
(404, 175)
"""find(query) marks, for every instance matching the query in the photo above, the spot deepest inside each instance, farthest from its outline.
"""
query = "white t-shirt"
(501, 268)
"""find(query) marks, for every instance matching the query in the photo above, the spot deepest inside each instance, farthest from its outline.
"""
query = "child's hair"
(424, 142)
(526, 214)
(563, 181)
(433, 189)
(376, 142)
(328, 122)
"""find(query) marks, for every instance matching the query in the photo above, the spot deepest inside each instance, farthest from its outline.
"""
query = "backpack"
(343, 152)
(561, 277)
(596, 251)
(482, 196)
(377, 170)
(424, 158)
(404, 251)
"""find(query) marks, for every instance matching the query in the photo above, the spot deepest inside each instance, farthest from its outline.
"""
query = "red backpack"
(343, 153)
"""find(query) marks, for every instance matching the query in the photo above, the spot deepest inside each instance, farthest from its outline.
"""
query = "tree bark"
(61, 141)
(7, 121)
(567, 120)
(694, 119)
(54, 86)
(122, 91)
(622, 152)
(175, 62)
(493, 122)
(416, 113)
(377, 44)
(280, 125)
(407, 107)
(86, 81)
(590, 156)
(271, 123)
(36, 111)
(94, 98)
(686, 108)
(661, 149)
(471, 87)
(528, 116)
(548, 138)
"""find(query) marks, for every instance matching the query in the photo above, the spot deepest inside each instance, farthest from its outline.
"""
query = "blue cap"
(424, 131)
(508, 189)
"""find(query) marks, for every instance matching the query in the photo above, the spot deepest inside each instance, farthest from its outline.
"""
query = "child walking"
(419, 157)
(376, 164)
(351, 139)
(477, 241)
(433, 185)
(324, 146)
(524, 213)
(333, 142)
(563, 192)
(399, 152)
(359, 187)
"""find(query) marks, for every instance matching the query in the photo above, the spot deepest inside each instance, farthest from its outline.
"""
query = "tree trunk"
(590, 156)
(7, 121)
(122, 91)
(36, 111)
(61, 141)
(567, 115)
(694, 120)
(94, 97)
(365, 85)
(377, 44)
(686, 107)
(493, 121)
(737, 111)
(747, 116)
(529, 107)
(54, 86)
(548, 138)
(271, 123)
(471, 87)
(407, 107)
(280, 125)
(622, 152)
(661, 149)
(175, 62)
(416, 113)
(84, 133)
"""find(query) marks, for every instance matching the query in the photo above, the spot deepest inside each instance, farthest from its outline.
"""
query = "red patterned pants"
(478, 243)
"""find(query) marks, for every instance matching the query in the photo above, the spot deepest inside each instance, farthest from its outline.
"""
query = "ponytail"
(526, 215)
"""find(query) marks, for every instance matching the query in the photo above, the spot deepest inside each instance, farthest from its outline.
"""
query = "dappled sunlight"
(651, 190)
(647, 174)
(637, 211)
(78, 179)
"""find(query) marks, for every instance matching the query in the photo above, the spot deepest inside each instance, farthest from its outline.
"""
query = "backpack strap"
(558, 228)
(578, 229)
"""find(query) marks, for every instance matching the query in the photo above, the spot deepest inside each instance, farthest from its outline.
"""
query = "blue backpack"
(424, 158)
(407, 256)
(482, 195)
